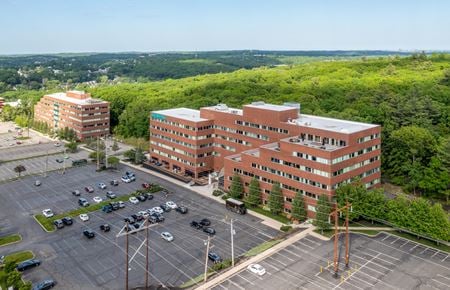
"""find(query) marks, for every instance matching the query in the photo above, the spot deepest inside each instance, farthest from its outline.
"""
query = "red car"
(146, 185)
(89, 189)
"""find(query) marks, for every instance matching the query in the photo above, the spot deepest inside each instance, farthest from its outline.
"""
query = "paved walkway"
(225, 275)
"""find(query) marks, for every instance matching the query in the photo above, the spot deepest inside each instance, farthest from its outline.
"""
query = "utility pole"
(232, 243)
(146, 256)
(337, 210)
(206, 258)
(98, 153)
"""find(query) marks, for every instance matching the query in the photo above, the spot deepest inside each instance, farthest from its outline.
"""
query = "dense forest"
(409, 97)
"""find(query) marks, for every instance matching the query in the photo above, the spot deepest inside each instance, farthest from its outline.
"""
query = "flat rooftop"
(270, 107)
(182, 113)
(330, 124)
(87, 101)
(225, 109)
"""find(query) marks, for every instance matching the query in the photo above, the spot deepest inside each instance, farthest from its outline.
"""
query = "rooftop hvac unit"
(234, 111)
(294, 140)
(259, 103)
(221, 107)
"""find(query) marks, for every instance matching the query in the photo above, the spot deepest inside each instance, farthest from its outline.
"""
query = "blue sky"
(48, 26)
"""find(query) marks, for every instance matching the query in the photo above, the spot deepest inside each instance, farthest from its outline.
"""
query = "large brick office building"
(307, 154)
(76, 110)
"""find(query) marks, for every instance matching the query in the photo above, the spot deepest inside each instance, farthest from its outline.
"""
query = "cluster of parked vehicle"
(32, 263)
(204, 225)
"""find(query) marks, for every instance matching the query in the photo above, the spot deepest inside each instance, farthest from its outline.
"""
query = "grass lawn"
(10, 239)
(47, 223)
(367, 232)
(280, 218)
(261, 248)
(23, 138)
(16, 257)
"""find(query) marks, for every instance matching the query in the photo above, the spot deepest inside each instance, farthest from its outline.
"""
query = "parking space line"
(300, 242)
(437, 252)
(245, 279)
(404, 244)
(395, 240)
(235, 284)
(443, 277)
(446, 285)
(413, 248)
(290, 259)
(314, 242)
(359, 279)
(387, 236)
(278, 261)
(388, 256)
(426, 248)
(266, 235)
(443, 260)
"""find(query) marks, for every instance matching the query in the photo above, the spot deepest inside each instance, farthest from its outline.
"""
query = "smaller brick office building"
(304, 153)
(76, 110)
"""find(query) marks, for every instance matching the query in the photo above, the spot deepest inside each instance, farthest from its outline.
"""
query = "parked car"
(25, 265)
(45, 285)
(130, 174)
(146, 185)
(89, 233)
(148, 195)
(107, 208)
(171, 204)
(152, 219)
(133, 200)
(76, 192)
(111, 194)
(165, 207)
(141, 197)
(105, 227)
(58, 224)
(126, 179)
(137, 217)
(157, 209)
(101, 185)
(121, 204)
(143, 213)
(182, 209)
(59, 160)
(137, 225)
(209, 231)
(114, 182)
(159, 217)
(89, 189)
(48, 213)
(214, 257)
(115, 205)
(84, 217)
(257, 269)
(129, 220)
(83, 202)
(97, 199)
(167, 236)
(196, 224)
(68, 221)
(37, 183)
(205, 222)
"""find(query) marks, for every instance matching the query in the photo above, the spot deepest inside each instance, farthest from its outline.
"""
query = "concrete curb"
(223, 276)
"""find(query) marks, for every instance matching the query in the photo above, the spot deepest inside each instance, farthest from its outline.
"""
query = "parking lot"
(8, 133)
(384, 262)
(78, 263)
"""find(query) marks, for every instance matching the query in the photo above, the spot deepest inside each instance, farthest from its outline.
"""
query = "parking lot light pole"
(232, 243)
(206, 258)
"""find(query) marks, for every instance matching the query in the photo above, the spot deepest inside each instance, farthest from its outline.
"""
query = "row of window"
(300, 167)
(355, 154)
(262, 127)
(176, 158)
(184, 135)
(179, 151)
(368, 138)
(362, 175)
(231, 139)
(179, 125)
(185, 144)
(355, 166)
(323, 140)
(245, 133)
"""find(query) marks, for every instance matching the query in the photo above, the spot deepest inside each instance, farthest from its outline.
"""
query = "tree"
(375, 205)
(10, 265)
(101, 155)
(130, 154)
(115, 146)
(139, 157)
(435, 180)
(19, 169)
(113, 161)
(13, 279)
(298, 211)
(276, 201)
(26, 286)
(236, 189)
(72, 146)
(323, 211)
(354, 193)
(254, 193)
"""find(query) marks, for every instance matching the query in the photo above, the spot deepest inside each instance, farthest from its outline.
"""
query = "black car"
(196, 224)
(67, 220)
(105, 227)
(205, 222)
(114, 205)
(114, 182)
(165, 207)
(149, 195)
(137, 217)
(25, 265)
(209, 231)
(141, 197)
(152, 219)
(182, 209)
(111, 194)
(58, 224)
(45, 285)
(89, 233)
(130, 220)
(137, 225)
(76, 192)
(107, 208)
(215, 258)
(83, 202)
(59, 160)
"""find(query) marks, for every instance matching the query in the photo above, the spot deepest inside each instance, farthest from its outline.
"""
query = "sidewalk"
(206, 191)
(225, 275)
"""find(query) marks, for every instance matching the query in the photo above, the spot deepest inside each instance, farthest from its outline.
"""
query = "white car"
(48, 213)
(167, 236)
(84, 217)
(157, 209)
(134, 200)
(121, 204)
(126, 179)
(101, 185)
(171, 204)
(257, 269)
(97, 199)
(143, 213)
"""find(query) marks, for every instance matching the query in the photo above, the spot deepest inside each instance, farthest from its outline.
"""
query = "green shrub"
(217, 192)
(285, 228)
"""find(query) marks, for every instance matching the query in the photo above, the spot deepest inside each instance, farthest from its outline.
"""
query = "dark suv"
(105, 227)
(196, 224)
(83, 202)
(28, 264)
(141, 197)
(209, 231)
(215, 258)
(182, 209)
(89, 233)
(114, 182)
(67, 221)
(205, 222)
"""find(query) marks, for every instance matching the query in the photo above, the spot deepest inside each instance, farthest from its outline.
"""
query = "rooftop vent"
(234, 111)
(259, 103)
(294, 140)
(221, 107)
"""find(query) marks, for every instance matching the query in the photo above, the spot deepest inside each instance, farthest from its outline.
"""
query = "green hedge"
(47, 223)
(10, 239)
(285, 228)
(217, 192)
